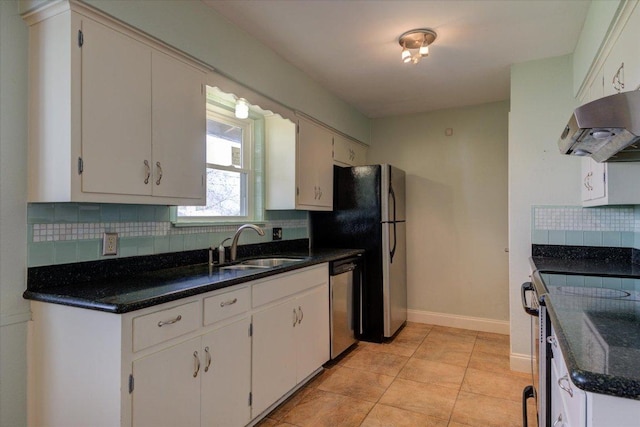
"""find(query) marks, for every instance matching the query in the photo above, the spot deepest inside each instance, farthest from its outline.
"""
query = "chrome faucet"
(234, 242)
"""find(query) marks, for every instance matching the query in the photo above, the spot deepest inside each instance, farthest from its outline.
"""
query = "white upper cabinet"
(113, 116)
(299, 165)
(347, 152)
(611, 183)
(314, 173)
(115, 111)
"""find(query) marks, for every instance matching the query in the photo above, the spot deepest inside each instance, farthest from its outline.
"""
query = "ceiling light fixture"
(242, 108)
(415, 44)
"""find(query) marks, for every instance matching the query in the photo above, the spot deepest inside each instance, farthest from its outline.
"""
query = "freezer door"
(394, 270)
(398, 183)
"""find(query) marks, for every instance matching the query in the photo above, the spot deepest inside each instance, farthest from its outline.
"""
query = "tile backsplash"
(616, 226)
(60, 233)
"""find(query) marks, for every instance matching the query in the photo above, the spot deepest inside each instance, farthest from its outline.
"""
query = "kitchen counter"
(593, 300)
(128, 284)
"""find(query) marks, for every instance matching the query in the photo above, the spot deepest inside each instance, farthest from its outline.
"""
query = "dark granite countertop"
(593, 301)
(126, 285)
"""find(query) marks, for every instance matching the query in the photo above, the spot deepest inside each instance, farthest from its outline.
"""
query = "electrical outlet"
(110, 244)
(277, 233)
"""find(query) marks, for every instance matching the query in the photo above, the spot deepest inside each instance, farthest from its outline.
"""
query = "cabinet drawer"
(163, 325)
(285, 285)
(226, 305)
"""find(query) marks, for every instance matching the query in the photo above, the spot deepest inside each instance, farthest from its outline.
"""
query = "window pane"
(224, 144)
(224, 196)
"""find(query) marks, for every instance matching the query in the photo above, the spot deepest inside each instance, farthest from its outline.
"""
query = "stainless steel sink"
(244, 267)
(269, 262)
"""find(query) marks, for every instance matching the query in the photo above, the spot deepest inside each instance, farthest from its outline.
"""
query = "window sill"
(180, 224)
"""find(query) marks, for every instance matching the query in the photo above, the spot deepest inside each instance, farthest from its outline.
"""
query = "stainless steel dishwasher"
(344, 289)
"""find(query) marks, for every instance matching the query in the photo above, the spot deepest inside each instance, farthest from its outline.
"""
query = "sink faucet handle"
(221, 251)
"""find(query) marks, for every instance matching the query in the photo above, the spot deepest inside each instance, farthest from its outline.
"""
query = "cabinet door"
(179, 128)
(586, 176)
(598, 181)
(166, 393)
(274, 356)
(558, 414)
(226, 375)
(312, 331)
(116, 111)
(314, 165)
(347, 152)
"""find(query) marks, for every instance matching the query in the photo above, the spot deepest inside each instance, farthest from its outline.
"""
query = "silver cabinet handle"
(584, 181)
(301, 315)
(558, 420)
(197, 364)
(567, 387)
(319, 193)
(169, 322)
(159, 173)
(295, 317)
(553, 341)
(618, 79)
(208, 359)
(229, 302)
(148, 169)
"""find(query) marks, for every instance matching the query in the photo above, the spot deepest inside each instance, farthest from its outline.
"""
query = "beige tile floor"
(428, 376)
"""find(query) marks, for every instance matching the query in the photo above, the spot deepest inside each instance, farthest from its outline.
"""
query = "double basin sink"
(262, 263)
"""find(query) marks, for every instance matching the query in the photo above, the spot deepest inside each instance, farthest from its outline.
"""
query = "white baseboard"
(457, 321)
(520, 362)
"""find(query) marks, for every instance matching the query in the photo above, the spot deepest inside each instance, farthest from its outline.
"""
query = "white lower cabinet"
(573, 407)
(204, 381)
(289, 344)
(191, 362)
(166, 392)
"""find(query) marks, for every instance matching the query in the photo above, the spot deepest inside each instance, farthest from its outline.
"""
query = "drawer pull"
(295, 317)
(208, 359)
(567, 387)
(229, 302)
(301, 315)
(169, 322)
(197, 364)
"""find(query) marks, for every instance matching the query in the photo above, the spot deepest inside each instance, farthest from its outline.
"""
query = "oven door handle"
(528, 287)
(528, 393)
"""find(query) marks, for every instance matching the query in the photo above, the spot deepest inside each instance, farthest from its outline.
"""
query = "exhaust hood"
(607, 129)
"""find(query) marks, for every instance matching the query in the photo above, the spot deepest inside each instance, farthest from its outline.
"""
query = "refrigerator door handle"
(393, 197)
(395, 242)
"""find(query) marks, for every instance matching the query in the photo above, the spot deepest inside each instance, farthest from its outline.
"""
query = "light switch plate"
(110, 244)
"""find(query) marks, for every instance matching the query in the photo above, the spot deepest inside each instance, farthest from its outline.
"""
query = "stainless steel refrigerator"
(369, 213)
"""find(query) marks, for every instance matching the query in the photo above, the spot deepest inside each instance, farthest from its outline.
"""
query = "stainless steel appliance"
(369, 213)
(607, 129)
(541, 355)
(343, 285)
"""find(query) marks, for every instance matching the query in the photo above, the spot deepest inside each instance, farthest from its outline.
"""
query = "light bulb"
(242, 108)
(406, 55)
(424, 50)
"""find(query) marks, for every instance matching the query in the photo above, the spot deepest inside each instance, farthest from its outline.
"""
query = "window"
(230, 169)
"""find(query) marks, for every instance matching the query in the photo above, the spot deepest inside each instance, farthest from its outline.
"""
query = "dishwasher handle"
(343, 268)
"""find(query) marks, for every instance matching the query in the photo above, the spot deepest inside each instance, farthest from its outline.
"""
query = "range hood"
(607, 129)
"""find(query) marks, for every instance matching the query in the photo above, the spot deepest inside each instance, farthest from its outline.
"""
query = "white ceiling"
(351, 46)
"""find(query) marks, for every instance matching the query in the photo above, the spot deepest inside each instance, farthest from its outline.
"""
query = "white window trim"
(248, 143)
